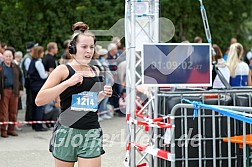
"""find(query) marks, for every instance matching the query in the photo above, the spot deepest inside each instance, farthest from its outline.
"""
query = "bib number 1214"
(84, 101)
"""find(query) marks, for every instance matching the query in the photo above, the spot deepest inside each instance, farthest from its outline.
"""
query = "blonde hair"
(234, 55)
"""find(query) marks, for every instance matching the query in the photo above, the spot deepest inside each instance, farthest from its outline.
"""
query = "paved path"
(30, 148)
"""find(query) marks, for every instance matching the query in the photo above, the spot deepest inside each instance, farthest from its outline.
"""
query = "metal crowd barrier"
(208, 139)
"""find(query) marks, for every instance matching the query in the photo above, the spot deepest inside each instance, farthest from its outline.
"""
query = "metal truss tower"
(141, 26)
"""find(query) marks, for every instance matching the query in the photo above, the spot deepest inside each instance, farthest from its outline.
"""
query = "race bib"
(85, 101)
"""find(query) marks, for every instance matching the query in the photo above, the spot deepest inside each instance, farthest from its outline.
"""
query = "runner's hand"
(107, 91)
(77, 78)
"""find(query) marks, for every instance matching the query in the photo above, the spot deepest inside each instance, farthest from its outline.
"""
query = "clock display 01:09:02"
(186, 65)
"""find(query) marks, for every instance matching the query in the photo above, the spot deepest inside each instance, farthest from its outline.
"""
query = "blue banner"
(225, 112)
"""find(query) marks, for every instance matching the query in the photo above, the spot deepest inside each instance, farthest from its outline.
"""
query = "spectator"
(121, 70)
(25, 63)
(108, 77)
(18, 57)
(105, 64)
(239, 70)
(17, 61)
(97, 62)
(49, 60)
(65, 57)
(233, 40)
(37, 75)
(112, 58)
(249, 56)
(225, 56)
(122, 102)
(3, 46)
(221, 65)
(95, 59)
(197, 39)
(97, 49)
(117, 41)
(10, 89)
(112, 51)
(51, 112)
(249, 59)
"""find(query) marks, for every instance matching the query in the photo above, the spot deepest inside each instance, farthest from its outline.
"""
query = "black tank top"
(88, 120)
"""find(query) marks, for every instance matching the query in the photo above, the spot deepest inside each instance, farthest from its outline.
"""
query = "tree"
(46, 20)
(226, 19)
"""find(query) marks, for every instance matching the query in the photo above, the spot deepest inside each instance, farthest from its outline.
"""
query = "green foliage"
(46, 20)
(51, 20)
(226, 19)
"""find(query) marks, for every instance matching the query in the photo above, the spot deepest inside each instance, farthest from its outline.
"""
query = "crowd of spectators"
(28, 73)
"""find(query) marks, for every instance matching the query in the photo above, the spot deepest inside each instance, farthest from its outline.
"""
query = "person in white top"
(239, 70)
(221, 65)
